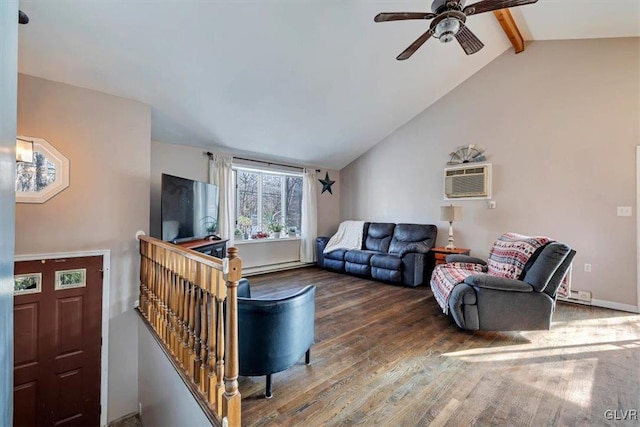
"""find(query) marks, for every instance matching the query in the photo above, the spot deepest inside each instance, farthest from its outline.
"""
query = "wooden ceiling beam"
(510, 29)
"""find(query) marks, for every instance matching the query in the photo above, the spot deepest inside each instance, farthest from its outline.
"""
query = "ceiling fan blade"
(468, 41)
(406, 54)
(22, 17)
(402, 16)
(489, 5)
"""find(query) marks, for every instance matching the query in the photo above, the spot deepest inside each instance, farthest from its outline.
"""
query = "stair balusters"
(183, 296)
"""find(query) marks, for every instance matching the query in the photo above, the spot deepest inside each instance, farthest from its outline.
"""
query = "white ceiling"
(311, 82)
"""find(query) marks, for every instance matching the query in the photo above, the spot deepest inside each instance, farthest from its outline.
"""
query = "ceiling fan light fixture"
(449, 22)
(447, 29)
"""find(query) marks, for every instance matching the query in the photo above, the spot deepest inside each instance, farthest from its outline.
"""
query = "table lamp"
(450, 213)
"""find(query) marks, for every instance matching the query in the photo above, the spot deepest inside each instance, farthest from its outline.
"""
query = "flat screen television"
(189, 209)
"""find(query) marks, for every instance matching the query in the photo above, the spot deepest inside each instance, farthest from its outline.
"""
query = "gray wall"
(178, 160)
(8, 88)
(108, 141)
(164, 397)
(190, 162)
(560, 125)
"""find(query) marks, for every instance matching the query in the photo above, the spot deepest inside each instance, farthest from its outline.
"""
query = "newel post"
(231, 400)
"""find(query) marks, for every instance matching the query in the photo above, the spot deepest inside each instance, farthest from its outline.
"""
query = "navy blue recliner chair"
(273, 334)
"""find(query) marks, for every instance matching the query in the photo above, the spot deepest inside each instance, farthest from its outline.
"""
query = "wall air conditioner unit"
(468, 182)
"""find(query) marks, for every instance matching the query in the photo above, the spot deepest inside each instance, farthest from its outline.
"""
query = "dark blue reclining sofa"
(392, 253)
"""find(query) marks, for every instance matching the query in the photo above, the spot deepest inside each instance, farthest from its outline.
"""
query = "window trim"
(241, 167)
(61, 164)
(267, 240)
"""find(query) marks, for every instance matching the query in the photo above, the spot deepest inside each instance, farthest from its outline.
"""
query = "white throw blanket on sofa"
(348, 236)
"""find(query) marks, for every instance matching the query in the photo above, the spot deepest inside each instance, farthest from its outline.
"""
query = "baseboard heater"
(577, 297)
(261, 269)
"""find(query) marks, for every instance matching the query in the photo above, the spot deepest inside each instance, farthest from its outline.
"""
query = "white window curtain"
(221, 174)
(309, 227)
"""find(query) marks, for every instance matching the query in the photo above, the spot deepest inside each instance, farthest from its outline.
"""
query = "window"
(265, 198)
(47, 176)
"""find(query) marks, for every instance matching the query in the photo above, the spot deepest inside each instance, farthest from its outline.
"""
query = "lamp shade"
(24, 150)
(451, 213)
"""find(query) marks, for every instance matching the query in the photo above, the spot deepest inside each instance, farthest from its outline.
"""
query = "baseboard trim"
(253, 271)
(122, 419)
(615, 305)
(574, 301)
(603, 304)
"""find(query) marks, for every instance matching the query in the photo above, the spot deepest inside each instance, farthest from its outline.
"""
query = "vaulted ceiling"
(311, 82)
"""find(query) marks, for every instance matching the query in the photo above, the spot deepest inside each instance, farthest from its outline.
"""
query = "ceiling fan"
(22, 18)
(449, 17)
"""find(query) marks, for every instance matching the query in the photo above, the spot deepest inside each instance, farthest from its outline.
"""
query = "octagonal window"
(45, 177)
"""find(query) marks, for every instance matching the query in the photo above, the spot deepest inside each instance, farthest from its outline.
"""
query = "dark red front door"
(57, 339)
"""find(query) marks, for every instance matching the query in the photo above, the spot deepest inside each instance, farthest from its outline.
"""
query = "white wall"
(177, 160)
(329, 204)
(560, 125)
(164, 397)
(257, 253)
(8, 89)
(107, 140)
(192, 163)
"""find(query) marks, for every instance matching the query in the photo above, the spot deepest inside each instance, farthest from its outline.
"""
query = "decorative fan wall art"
(467, 154)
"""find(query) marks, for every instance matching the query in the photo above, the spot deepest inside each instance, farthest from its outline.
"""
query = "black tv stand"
(208, 246)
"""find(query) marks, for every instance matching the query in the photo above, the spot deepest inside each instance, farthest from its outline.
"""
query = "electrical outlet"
(584, 295)
(625, 211)
(587, 268)
(492, 204)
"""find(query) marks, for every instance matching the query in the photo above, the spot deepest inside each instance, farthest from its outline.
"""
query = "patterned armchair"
(515, 290)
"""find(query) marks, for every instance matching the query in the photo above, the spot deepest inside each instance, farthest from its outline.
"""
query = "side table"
(440, 253)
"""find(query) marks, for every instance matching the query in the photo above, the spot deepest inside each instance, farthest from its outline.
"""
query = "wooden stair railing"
(182, 296)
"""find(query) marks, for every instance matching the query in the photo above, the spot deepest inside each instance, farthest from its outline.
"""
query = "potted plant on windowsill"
(244, 222)
(276, 228)
(292, 231)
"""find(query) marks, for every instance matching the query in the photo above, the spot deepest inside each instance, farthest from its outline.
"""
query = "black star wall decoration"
(326, 183)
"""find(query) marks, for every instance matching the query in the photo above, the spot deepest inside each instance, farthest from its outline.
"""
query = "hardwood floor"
(386, 355)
